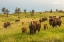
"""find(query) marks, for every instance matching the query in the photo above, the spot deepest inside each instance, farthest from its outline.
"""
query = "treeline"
(18, 11)
(51, 11)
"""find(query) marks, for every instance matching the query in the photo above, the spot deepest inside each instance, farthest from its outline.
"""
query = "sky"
(37, 5)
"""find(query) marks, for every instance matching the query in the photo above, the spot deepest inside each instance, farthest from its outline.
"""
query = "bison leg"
(34, 31)
(31, 32)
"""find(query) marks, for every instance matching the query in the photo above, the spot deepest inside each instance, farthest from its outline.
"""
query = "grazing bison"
(17, 20)
(59, 17)
(54, 16)
(7, 24)
(62, 16)
(54, 22)
(18, 17)
(24, 29)
(50, 16)
(45, 26)
(44, 19)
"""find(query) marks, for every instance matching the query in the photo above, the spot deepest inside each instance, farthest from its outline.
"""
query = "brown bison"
(17, 20)
(45, 26)
(54, 16)
(18, 17)
(38, 26)
(50, 16)
(24, 29)
(54, 22)
(62, 16)
(7, 24)
(34, 26)
(44, 19)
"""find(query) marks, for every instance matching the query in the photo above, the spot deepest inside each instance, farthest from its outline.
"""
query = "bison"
(54, 22)
(50, 16)
(38, 26)
(18, 17)
(54, 16)
(44, 19)
(62, 16)
(45, 26)
(24, 29)
(59, 17)
(7, 24)
(34, 26)
(17, 20)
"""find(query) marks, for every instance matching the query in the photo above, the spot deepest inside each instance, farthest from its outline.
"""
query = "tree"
(32, 13)
(3, 10)
(56, 10)
(7, 12)
(17, 10)
(25, 11)
(60, 11)
(51, 11)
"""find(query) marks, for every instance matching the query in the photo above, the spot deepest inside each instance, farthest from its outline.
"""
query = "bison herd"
(36, 25)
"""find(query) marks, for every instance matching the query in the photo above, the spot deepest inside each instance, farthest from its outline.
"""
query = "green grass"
(14, 32)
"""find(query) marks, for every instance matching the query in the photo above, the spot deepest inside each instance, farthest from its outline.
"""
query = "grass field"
(14, 32)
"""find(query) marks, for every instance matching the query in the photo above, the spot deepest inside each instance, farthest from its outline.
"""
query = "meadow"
(14, 32)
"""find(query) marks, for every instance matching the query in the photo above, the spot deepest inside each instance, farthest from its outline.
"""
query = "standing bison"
(24, 29)
(7, 24)
(45, 26)
(38, 26)
(34, 26)
(55, 21)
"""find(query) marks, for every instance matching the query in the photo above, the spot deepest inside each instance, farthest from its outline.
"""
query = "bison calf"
(24, 29)
(45, 26)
